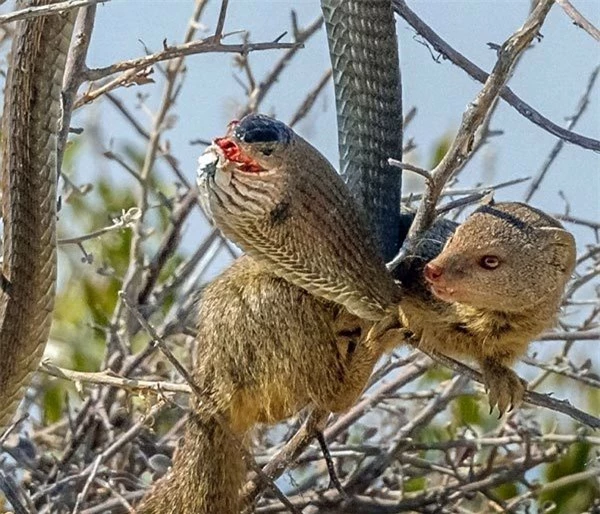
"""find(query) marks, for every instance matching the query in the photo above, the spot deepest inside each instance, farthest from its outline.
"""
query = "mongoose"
(274, 337)
(280, 200)
(496, 284)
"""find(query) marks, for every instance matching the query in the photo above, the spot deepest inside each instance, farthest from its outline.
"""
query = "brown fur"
(492, 315)
(284, 327)
(249, 318)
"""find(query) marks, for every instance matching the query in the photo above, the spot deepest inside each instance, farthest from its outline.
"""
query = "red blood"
(235, 154)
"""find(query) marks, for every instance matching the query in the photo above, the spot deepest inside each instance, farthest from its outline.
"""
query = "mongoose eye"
(489, 262)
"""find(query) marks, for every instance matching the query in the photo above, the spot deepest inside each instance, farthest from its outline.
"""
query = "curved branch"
(481, 76)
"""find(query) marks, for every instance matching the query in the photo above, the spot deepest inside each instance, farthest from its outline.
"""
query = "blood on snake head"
(254, 143)
(242, 175)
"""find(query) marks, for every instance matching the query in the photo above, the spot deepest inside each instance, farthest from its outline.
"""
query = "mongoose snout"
(433, 273)
(500, 277)
(437, 280)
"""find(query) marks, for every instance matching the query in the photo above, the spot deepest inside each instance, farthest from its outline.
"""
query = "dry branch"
(43, 10)
(208, 45)
(475, 115)
(478, 74)
(578, 19)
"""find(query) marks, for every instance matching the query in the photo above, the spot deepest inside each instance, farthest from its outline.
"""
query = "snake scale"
(29, 174)
(364, 57)
(366, 72)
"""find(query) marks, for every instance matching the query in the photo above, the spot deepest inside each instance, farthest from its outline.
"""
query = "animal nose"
(433, 272)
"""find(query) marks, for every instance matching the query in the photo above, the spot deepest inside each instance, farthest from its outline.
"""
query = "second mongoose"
(485, 289)
(286, 326)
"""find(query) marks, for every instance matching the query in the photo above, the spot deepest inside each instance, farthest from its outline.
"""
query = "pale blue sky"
(551, 77)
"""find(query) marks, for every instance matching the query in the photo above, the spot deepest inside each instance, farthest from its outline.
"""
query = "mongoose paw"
(504, 387)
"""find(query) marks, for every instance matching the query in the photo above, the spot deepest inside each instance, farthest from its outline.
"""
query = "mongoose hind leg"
(505, 388)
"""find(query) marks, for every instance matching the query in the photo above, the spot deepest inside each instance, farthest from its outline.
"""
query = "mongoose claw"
(505, 388)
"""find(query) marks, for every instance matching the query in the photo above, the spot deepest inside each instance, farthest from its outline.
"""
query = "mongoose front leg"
(504, 387)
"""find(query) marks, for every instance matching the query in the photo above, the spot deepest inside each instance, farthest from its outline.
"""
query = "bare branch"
(74, 72)
(478, 74)
(221, 22)
(476, 114)
(43, 10)
(110, 379)
(578, 19)
(257, 95)
(541, 400)
(310, 99)
(201, 46)
(582, 106)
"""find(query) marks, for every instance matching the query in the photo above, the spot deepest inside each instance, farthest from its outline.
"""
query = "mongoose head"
(280, 200)
(506, 257)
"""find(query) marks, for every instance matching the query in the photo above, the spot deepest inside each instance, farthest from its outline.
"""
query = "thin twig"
(578, 19)
(581, 107)
(12, 492)
(411, 167)
(201, 46)
(310, 99)
(74, 72)
(125, 221)
(43, 10)
(110, 379)
(221, 21)
(478, 74)
(259, 93)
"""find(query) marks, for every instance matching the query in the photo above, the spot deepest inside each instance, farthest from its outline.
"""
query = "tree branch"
(578, 19)
(43, 10)
(478, 74)
(475, 115)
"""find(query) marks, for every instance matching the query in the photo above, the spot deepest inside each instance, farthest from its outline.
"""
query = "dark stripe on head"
(258, 128)
(513, 220)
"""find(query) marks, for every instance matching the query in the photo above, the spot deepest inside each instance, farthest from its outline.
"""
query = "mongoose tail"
(210, 471)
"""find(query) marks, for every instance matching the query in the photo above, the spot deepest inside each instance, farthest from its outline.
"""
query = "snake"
(30, 124)
(364, 54)
(281, 201)
(366, 71)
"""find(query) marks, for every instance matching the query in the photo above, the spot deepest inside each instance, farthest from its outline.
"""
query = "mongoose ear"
(562, 245)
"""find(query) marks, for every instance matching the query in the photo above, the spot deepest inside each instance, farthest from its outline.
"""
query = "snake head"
(237, 171)
(254, 144)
